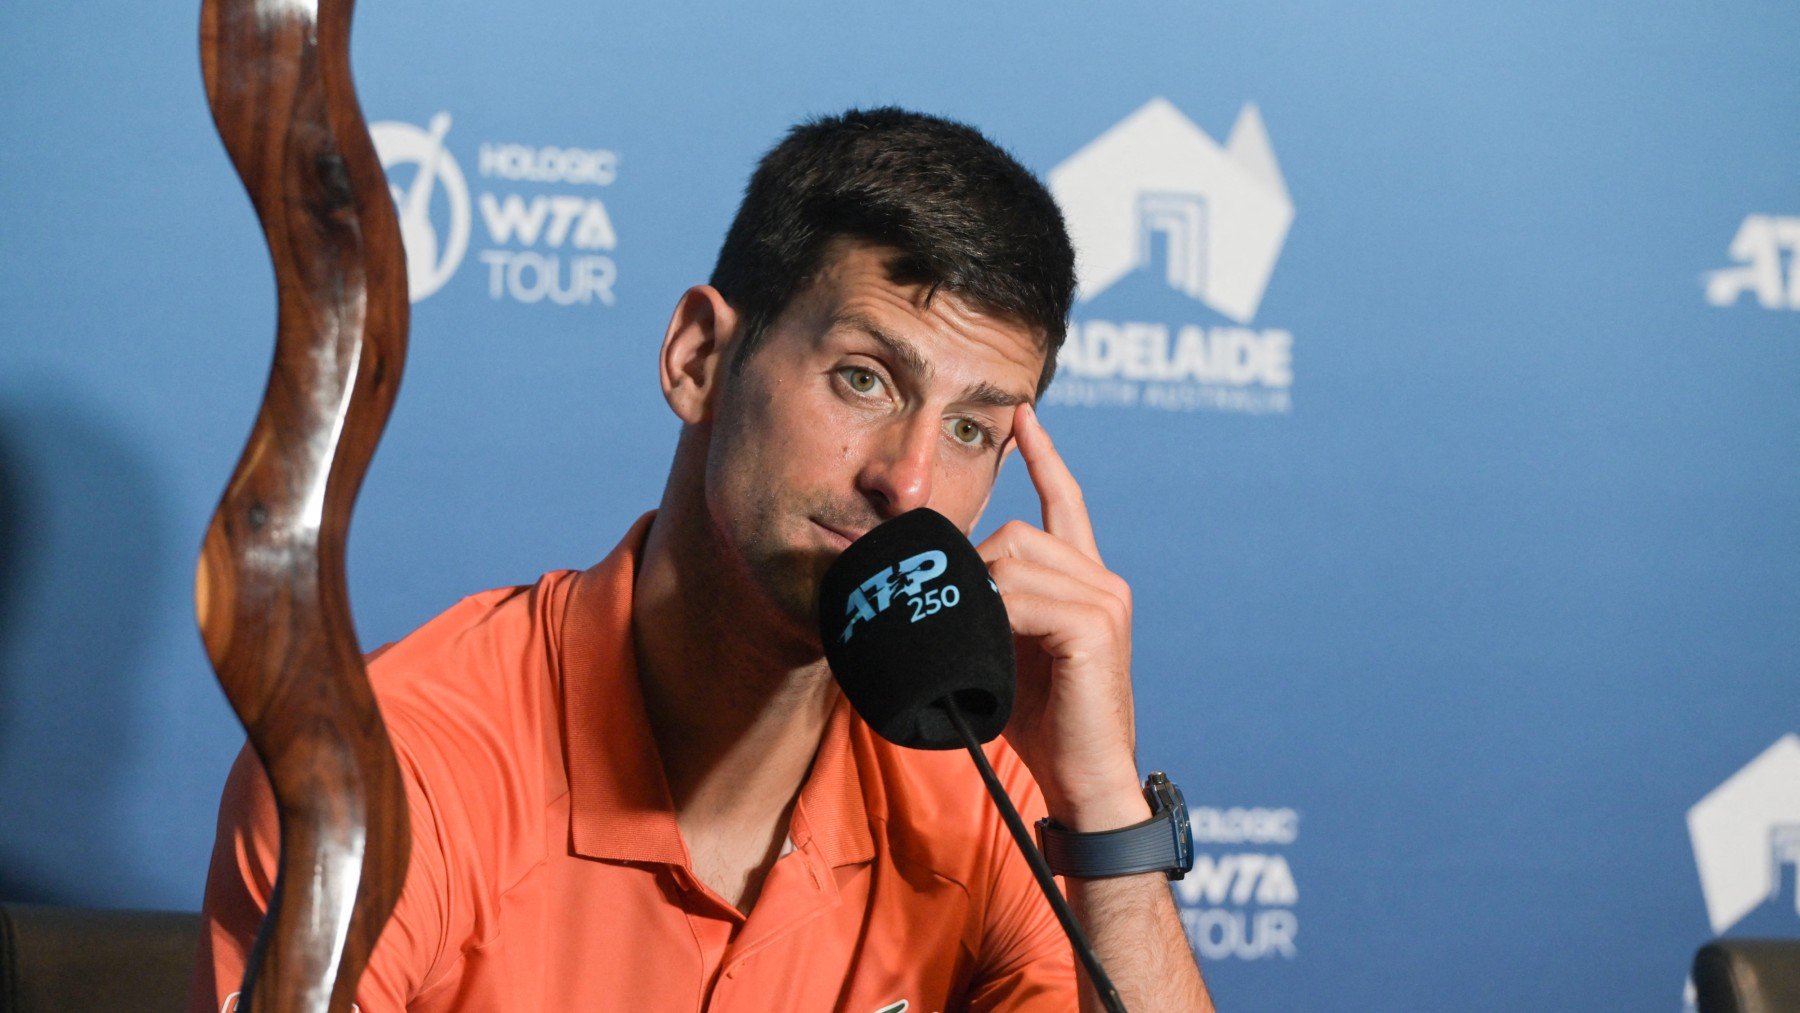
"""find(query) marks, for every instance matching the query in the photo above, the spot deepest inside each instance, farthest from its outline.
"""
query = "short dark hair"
(964, 215)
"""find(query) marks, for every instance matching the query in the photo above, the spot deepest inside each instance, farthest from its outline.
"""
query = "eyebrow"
(981, 393)
(989, 396)
(896, 346)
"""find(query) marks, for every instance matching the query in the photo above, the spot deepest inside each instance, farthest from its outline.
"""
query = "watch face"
(1184, 833)
(1168, 798)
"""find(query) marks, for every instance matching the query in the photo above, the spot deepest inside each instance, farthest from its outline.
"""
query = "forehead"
(855, 295)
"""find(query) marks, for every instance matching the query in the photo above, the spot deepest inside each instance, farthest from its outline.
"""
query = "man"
(637, 787)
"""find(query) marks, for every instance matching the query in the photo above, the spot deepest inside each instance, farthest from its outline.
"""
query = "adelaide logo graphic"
(1171, 227)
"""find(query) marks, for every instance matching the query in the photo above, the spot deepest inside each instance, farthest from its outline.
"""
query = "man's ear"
(695, 351)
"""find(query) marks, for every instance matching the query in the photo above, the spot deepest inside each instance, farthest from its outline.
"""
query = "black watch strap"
(1162, 843)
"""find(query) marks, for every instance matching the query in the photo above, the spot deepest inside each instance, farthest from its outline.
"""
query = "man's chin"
(790, 579)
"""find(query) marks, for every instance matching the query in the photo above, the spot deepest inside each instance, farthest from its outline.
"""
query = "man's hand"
(1072, 724)
(1072, 721)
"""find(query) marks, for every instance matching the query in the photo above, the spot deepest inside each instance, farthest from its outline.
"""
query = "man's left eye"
(967, 433)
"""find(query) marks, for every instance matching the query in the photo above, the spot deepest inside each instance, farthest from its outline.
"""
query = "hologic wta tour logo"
(1170, 229)
(1757, 248)
(430, 258)
(1239, 901)
(548, 236)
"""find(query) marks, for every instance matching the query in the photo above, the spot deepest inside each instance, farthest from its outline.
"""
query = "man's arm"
(1136, 933)
(1074, 727)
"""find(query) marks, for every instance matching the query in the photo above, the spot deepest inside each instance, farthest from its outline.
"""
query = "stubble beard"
(780, 554)
(784, 558)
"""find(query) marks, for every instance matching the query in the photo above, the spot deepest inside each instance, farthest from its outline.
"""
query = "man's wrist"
(1100, 808)
(1161, 843)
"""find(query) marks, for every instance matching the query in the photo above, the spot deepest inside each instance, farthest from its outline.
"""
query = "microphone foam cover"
(909, 617)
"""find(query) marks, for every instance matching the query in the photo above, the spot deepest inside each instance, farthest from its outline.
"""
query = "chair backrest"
(57, 959)
(1748, 976)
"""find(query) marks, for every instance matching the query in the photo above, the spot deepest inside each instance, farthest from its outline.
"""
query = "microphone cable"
(1109, 996)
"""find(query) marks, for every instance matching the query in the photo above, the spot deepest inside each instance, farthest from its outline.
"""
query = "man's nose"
(897, 475)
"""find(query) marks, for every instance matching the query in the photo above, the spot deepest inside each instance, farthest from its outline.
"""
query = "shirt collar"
(619, 802)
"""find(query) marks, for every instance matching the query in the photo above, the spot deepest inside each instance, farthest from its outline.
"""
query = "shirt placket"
(712, 921)
(800, 887)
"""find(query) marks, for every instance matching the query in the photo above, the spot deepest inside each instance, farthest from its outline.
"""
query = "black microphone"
(916, 634)
(910, 620)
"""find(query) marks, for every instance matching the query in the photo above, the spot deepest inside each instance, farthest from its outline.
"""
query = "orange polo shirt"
(548, 872)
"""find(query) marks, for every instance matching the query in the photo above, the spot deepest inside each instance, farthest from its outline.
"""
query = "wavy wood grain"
(273, 607)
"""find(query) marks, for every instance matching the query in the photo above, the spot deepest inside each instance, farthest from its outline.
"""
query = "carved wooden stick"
(270, 592)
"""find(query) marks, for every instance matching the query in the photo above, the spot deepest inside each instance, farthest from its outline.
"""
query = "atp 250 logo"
(1171, 227)
(873, 596)
(547, 234)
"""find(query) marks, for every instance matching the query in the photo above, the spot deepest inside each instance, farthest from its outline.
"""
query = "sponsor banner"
(1176, 237)
(1746, 838)
(537, 215)
(1766, 256)
(1240, 901)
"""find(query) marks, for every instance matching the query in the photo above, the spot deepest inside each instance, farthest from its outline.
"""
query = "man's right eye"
(862, 381)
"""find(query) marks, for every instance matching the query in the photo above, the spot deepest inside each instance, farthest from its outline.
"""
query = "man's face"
(861, 402)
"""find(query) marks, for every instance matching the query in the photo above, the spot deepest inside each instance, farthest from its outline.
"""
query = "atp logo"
(1758, 248)
(429, 263)
(873, 596)
(1746, 837)
(1156, 206)
(541, 246)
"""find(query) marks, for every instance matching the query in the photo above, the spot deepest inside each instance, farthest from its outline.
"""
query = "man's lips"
(842, 539)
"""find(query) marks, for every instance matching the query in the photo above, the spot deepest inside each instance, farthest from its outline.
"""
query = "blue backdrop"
(1434, 384)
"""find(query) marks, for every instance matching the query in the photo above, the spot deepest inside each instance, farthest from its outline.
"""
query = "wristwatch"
(1163, 843)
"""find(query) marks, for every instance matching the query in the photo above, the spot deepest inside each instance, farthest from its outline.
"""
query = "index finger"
(1065, 511)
